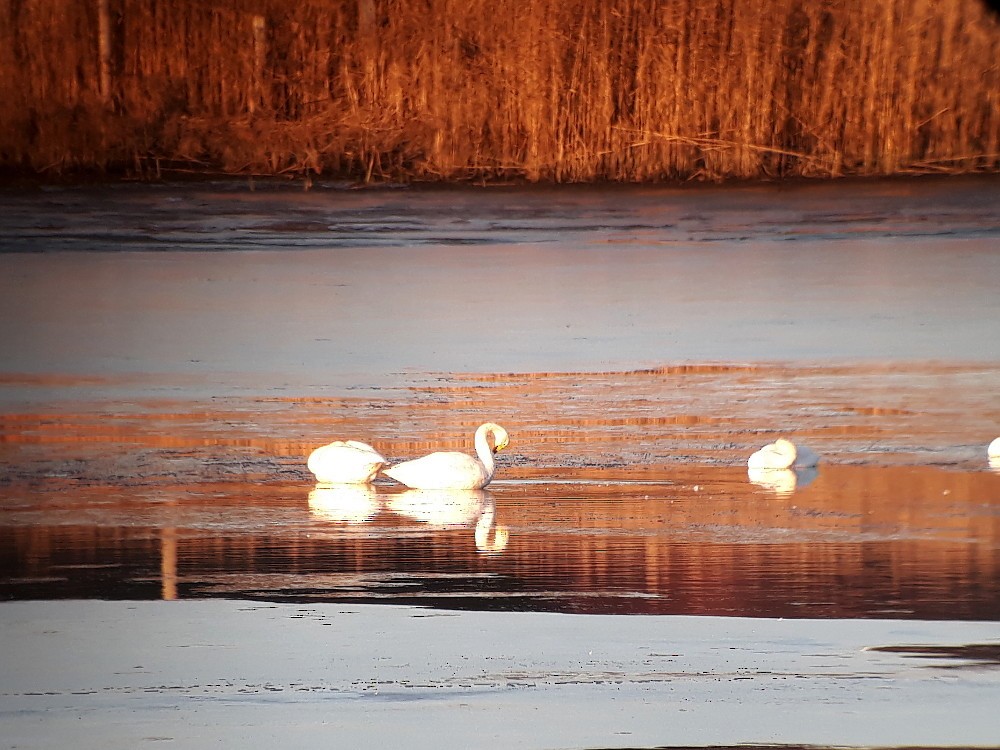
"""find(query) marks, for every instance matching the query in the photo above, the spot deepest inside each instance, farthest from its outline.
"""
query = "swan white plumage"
(782, 454)
(345, 462)
(993, 455)
(451, 470)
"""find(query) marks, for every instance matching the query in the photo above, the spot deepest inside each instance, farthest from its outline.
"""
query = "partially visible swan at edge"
(782, 454)
(993, 450)
(345, 462)
(451, 470)
(993, 454)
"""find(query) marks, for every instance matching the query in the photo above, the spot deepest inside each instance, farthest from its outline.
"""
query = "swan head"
(500, 438)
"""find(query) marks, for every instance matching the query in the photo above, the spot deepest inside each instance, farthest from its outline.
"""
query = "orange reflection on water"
(859, 541)
(621, 491)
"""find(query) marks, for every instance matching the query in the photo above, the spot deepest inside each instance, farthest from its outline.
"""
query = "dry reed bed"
(562, 90)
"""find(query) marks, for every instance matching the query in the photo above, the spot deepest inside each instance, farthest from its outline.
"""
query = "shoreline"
(248, 674)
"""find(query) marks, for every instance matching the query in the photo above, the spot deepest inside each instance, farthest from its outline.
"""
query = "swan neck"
(483, 449)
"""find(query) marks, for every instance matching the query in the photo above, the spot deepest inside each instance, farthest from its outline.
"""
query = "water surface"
(173, 353)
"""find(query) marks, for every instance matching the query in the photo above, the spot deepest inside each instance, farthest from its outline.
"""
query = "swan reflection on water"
(782, 482)
(449, 509)
(344, 503)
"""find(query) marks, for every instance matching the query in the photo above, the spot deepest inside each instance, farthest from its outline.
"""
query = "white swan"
(345, 462)
(993, 455)
(451, 470)
(782, 454)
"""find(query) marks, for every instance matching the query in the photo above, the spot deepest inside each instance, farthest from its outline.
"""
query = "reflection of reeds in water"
(578, 90)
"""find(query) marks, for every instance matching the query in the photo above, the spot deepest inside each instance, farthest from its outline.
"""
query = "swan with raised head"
(451, 470)
(782, 454)
(345, 462)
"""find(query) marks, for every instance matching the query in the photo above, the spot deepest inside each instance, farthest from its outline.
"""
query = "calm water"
(172, 354)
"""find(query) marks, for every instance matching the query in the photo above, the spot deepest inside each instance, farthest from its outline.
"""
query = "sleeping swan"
(450, 470)
(345, 462)
(782, 454)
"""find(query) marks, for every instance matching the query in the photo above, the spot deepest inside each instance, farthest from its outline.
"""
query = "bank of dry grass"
(564, 90)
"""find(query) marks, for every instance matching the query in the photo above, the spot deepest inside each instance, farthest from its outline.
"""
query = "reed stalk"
(558, 90)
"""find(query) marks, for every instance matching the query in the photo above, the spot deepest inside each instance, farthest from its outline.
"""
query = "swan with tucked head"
(993, 455)
(782, 454)
(345, 462)
(451, 470)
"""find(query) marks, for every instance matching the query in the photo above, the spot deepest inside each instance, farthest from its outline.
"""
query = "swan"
(993, 455)
(451, 470)
(345, 462)
(782, 454)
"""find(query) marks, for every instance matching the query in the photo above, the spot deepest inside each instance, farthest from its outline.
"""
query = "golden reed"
(560, 90)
